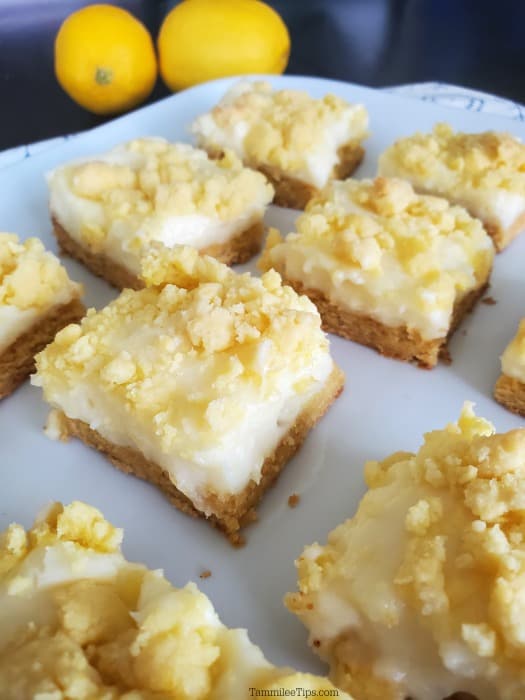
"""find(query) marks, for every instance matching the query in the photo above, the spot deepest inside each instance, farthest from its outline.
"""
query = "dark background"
(477, 43)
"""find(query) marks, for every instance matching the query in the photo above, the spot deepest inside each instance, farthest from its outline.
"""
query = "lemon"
(105, 59)
(201, 40)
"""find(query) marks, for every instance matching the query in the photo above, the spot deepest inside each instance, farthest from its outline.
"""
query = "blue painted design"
(462, 98)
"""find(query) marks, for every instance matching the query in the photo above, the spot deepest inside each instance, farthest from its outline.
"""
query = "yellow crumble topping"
(373, 227)
(148, 179)
(77, 523)
(358, 221)
(282, 127)
(484, 160)
(89, 624)
(207, 326)
(30, 276)
(451, 567)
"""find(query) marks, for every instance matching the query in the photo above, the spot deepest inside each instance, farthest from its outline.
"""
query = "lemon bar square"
(483, 172)
(108, 210)
(80, 621)
(298, 142)
(37, 299)
(510, 387)
(386, 267)
(205, 385)
(419, 594)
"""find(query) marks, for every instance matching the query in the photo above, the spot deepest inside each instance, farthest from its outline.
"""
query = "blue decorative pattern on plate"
(462, 98)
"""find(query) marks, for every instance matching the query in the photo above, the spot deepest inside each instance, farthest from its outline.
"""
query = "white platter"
(387, 405)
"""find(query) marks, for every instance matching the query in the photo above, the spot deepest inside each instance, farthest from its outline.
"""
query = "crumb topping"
(281, 127)
(146, 180)
(30, 276)
(380, 232)
(455, 564)
(391, 217)
(84, 633)
(178, 355)
(484, 160)
(76, 522)
(293, 500)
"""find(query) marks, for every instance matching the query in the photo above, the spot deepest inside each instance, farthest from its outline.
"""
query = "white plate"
(387, 405)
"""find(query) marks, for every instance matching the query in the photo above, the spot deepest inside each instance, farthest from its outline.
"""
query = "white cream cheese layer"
(513, 359)
(320, 160)
(32, 283)
(126, 237)
(376, 248)
(495, 206)
(232, 460)
(393, 298)
(79, 621)
(421, 587)
(232, 125)
(404, 652)
(203, 379)
(124, 243)
(14, 321)
(25, 595)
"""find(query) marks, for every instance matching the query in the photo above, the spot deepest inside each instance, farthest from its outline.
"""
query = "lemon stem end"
(103, 76)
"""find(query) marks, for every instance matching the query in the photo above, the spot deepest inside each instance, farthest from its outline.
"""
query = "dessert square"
(80, 621)
(205, 385)
(386, 267)
(108, 210)
(484, 172)
(510, 387)
(298, 142)
(37, 299)
(420, 593)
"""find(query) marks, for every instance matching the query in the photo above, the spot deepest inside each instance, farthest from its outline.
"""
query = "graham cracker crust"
(238, 249)
(399, 342)
(98, 263)
(510, 392)
(17, 361)
(233, 512)
(293, 193)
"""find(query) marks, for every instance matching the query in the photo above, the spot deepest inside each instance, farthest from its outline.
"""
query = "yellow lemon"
(105, 59)
(205, 39)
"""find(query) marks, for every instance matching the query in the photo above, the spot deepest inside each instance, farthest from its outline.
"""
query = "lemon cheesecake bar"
(420, 594)
(107, 210)
(298, 142)
(37, 299)
(386, 267)
(510, 387)
(205, 386)
(77, 620)
(484, 172)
